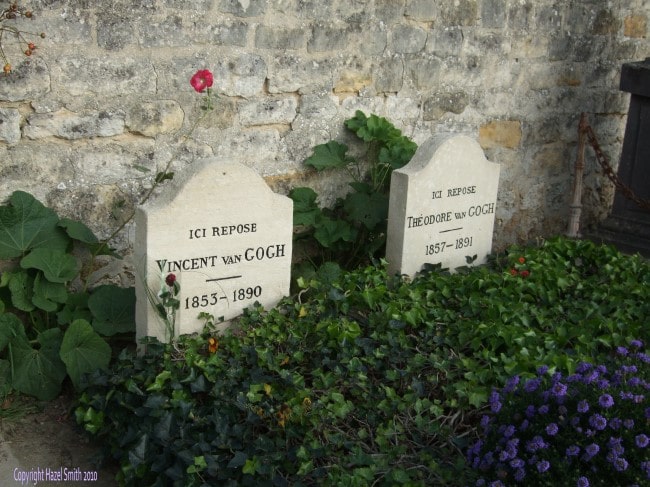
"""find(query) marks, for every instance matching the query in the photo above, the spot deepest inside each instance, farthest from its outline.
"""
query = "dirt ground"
(48, 438)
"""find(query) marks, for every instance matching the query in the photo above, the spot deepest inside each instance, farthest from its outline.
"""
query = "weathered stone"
(267, 112)
(115, 33)
(445, 41)
(225, 33)
(328, 38)
(442, 206)
(389, 75)
(635, 26)
(425, 73)
(493, 14)
(606, 23)
(374, 41)
(71, 126)
(421, 10)
(154, 118)
(459, 12)
(28, 80)
(243, 8)
(170, 32)
(9, 125)
(242, 76)
(504, 133)
(90, 76)
(407, 39)
(351, 81)
(226, 238)
(290, 73)
(389, 11)
(270, 38)
(441, 103)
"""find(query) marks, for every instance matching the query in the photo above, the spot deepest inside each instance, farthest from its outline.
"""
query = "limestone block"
(267, 37)
(224, 33)
(389, 75)
(69, 125)
(155, 117)
(504, 133)
(421, 10)
(243, 8)
(9, 125)
(29, 79)
(407, 39)
(242, 76)
(268, 111)
(635, 26)
(292, 73)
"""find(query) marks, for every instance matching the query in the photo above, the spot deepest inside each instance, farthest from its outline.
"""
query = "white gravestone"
(442, 206)
(224, 235)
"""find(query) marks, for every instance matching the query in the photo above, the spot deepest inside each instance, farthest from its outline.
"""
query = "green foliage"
(366, 379)
(353, 231)
(47, 330)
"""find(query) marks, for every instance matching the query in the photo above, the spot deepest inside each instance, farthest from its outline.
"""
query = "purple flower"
(606, 401)
(520, 473)
(590, 377)
(537, 443)
(558, 389)
(620, 464)
(583, 482)
(583, 406)
(638, 399)
(543, 466)
(622, 351)
(591, 450)
(598, 422)
(542, 370)
(626, 396)
(641, 440)
(532, 385)
(517, 463)
(530, 411)
(643, 357)
(511, 384)
(636, 343)
(583, 367)
(615, 423)
(573, 451)
(543, 409)
(509, 431)
(551, 429)
(495, 407)
(485, 421)
(628, 423)
(602, 384)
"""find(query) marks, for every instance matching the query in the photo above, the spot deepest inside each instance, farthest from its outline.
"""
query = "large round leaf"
(55, 264)
(83, 351)
(38, 372)
(113, 309)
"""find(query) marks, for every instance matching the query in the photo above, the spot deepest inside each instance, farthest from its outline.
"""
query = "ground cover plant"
(364, 378)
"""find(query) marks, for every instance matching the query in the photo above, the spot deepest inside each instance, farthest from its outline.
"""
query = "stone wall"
(102, 105)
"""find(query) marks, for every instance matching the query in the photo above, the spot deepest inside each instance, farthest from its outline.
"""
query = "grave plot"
(226, 239)
(442, 206)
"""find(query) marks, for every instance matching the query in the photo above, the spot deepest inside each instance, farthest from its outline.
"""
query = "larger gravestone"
(224, 235)
(442, 206)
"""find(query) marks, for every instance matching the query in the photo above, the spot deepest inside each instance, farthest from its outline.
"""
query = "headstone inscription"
(226, 238)
(442, 206)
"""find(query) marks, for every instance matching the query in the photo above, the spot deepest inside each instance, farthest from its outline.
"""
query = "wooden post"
(573, 231)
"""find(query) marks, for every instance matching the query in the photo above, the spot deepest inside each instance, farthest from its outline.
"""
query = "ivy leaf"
(48, 295)
(113, 309)
(328, 156)
(239, 460)
(83, 351)
(26, 224)
(38, 372)
(57, 265)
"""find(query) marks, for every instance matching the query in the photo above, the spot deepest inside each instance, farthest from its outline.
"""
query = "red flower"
(213, 345)
(524, 273)
(522, 260)
(201, 80)
(170, 280)
(513, 272)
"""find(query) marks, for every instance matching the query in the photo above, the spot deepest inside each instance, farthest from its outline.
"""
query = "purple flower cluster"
(581, 429)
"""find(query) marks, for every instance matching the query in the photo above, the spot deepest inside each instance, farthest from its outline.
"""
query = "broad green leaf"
(113, 309)
(239, 460)
(83, 351)
(26, 224)
(329, 231)
(57, 265)
(11, 328)
(370, 210)
(5, 378)
(48, 295)
(38, 372)
(328, 156)
(305, 208)
(21, 286)
(76, 308)
(85, 235)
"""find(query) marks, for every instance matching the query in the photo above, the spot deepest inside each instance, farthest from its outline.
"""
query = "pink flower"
(201, 80)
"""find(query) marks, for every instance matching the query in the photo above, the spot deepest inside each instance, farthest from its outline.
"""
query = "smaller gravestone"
(442, 206)
(224, 235)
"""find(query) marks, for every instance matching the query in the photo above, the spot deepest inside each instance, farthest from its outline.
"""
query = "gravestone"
(442, 206)
(224, 235)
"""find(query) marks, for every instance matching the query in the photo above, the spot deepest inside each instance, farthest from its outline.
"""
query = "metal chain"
(611, 174)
